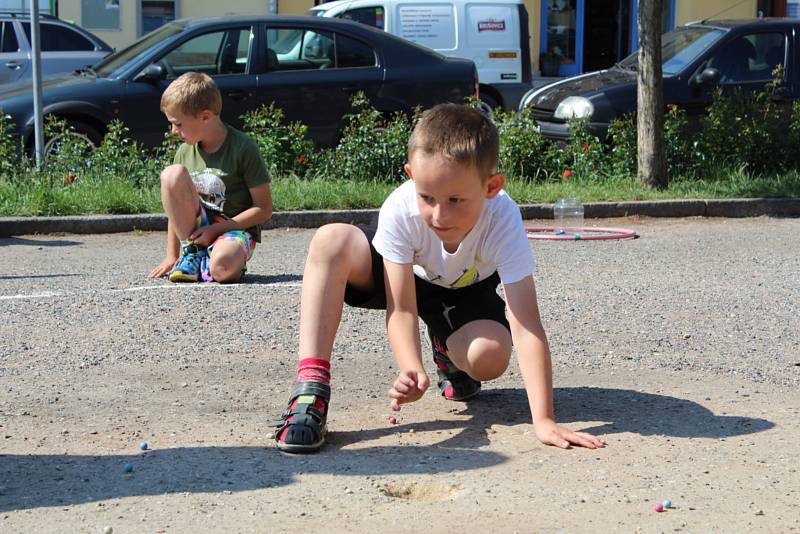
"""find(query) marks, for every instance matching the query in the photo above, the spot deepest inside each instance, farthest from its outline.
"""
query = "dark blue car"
(697, 59)
(308, 66)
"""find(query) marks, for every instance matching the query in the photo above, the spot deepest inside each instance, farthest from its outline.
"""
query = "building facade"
(587, 34)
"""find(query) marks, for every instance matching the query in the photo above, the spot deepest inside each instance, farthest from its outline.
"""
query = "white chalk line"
(58, 294)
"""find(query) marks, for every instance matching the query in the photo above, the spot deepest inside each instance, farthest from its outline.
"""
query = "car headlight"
(574, 107)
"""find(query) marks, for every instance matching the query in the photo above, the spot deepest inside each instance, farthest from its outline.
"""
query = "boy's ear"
(407, 168)
(494, 184)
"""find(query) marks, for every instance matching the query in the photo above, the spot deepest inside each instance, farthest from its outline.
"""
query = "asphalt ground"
(680, 348)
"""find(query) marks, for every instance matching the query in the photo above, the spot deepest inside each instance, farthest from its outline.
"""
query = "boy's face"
(189, 127)
(450, 195)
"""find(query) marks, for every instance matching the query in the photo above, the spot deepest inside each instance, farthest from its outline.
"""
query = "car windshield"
(679, 48)
(117, 60)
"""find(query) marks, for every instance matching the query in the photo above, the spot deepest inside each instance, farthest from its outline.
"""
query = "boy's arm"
(402, 324)
(171, 255)
(533, 353)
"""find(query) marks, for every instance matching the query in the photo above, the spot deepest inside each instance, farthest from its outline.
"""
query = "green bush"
(373, 146)
(285, 147)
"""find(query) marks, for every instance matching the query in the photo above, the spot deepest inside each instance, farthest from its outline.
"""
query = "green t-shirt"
(225, 177)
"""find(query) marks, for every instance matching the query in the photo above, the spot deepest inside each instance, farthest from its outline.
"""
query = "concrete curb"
(101, 224)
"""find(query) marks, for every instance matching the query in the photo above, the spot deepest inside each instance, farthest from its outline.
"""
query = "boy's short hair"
(191, 93)
(458, 133)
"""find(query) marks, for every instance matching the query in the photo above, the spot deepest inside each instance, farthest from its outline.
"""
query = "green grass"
(28, 198)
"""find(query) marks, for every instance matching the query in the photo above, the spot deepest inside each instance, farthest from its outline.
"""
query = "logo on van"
(491, 26)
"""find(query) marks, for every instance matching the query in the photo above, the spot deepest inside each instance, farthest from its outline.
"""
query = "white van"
(491, 33)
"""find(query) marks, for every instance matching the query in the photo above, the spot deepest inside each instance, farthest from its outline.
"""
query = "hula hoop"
(583, 233)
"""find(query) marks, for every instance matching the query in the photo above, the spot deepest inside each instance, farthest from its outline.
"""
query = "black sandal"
(305, 424)
(454, 384)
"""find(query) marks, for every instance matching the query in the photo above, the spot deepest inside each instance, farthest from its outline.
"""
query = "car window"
(9, 41)
(353, 53)
(117, 62)
(680, 47)
(57, 38)
(372, 16)
(750, 58)
(215, 53)
(299, 49)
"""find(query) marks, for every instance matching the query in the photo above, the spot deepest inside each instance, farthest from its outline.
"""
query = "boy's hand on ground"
(409, 387)
(163, 268)
(550, 433)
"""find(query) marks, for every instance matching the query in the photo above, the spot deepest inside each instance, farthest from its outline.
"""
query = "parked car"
(308, 66)
(64, 47)
(697, 59)
(492, 33)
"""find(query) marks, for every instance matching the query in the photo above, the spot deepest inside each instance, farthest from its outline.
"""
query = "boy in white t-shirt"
(445, 239)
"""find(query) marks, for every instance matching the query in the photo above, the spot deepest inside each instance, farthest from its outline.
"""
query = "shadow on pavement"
(270, 279)
(27, 276)
(624, 410)
(31, 481)
(8, 241)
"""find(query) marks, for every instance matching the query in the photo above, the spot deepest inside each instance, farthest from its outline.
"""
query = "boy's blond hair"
(191, 93)
(460, 134)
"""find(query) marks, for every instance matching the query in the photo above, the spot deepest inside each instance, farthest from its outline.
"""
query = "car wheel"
(80, 134)
(489, 103)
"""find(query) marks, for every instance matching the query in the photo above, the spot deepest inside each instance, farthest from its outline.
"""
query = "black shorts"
(443, 310)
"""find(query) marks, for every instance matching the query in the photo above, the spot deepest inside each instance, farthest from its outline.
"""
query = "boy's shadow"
(623, 410)
(7, 241)
(29, 481)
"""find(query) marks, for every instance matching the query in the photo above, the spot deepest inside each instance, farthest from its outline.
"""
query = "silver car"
(65, 47)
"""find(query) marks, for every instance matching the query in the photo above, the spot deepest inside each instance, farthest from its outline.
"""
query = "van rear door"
(493, 41)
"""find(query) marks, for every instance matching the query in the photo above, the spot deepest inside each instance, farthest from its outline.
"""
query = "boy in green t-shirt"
(216, 194)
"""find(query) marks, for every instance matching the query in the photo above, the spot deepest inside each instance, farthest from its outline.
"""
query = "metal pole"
(38, 124)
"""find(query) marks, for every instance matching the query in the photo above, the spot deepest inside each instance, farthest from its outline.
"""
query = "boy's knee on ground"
(224, 270)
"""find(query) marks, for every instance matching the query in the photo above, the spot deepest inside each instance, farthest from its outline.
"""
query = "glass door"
(561, 42)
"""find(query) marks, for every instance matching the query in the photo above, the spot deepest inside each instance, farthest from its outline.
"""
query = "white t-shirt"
(497, 242)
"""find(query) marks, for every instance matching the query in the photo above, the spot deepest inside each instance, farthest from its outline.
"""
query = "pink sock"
(314, 370)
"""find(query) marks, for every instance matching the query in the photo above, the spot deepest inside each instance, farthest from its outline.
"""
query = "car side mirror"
(151, 73)
(708, 76)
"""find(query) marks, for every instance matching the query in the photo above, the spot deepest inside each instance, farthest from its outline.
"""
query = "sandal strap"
(318, 389)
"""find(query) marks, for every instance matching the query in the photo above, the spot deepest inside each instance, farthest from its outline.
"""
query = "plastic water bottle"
(567, 215)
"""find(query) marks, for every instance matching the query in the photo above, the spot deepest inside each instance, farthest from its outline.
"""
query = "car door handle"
(13, 65)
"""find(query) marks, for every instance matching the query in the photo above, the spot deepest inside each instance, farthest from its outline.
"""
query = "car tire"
(489, 102)
(80, 130)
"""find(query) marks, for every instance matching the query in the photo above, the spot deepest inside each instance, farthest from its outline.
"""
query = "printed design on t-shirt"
(468, 277)
(209, 184)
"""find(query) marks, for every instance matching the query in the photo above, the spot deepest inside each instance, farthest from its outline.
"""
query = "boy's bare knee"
(172, 174)
(332, 242)
(224, 272)
(490, 359)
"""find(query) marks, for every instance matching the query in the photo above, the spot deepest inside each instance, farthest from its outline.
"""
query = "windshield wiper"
(86, 71)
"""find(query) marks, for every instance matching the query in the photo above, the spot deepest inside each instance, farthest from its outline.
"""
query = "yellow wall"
(213, 8)
(71, 10)
(294, 7)
(689, 10)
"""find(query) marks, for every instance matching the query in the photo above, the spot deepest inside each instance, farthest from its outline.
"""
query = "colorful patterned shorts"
(242, 237)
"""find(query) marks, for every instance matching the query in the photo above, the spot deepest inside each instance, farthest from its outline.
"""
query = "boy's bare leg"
(180, 200)
(480, 348)
(338, 254)
(181, 204)
(226, 261)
